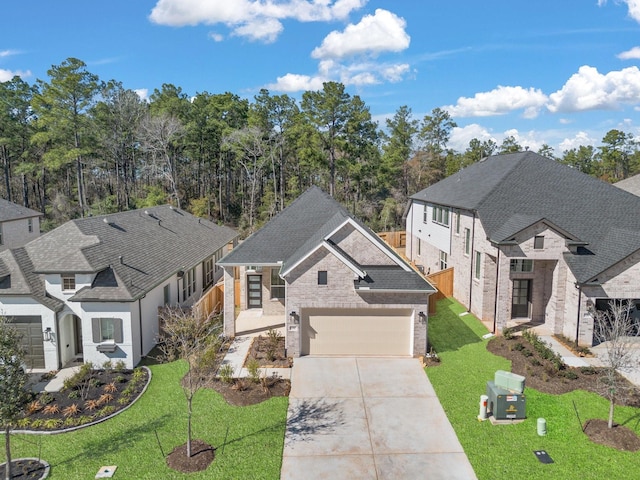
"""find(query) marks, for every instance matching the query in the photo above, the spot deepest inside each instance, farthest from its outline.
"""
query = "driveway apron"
(368, 418)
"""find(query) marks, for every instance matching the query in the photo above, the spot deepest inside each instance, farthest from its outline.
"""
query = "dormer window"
(30, 225)
(68, 282)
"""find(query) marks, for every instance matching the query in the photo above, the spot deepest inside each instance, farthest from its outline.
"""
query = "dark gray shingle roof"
(303, 226)
(17, 271)
(391, 278)
(13, 211)
(137, 250)
(513, 190)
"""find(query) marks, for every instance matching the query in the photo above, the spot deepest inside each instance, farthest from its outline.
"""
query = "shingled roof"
(12, 211)
(131, 252)
(631, 184)
(305, 225)
(513, 191)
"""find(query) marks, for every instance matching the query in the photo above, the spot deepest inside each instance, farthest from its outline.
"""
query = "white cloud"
(590, 90)
(143, 93)
(265, 29)
(216, 37)
(381, 32)
(580, 138)
(634, 7)
(242, 16)
(295, 83)
(8, 53)
(499, 101)
(565, 121)
(631, 54)
(6, 75)
(461, 136)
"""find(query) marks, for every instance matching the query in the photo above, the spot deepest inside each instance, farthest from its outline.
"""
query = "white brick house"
(530, 240)
(338, 288)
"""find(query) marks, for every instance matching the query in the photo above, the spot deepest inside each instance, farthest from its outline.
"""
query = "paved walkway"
(599, 352)
(368, 418)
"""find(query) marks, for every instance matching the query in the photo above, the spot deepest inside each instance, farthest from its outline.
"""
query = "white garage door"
(356, 332)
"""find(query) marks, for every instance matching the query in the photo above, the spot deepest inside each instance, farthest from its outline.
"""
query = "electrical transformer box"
(505, 404)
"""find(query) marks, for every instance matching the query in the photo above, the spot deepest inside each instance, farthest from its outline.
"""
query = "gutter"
(495, 306)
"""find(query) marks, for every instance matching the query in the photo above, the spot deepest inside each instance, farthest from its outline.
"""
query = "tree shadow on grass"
(116, 441)
(447, 329)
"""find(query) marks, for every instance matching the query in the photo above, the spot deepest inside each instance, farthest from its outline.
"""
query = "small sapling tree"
(617, 331)
(13, 379)
(189, 336)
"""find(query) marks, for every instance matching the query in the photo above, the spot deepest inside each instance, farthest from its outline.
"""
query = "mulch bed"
(105, 393)
(541, 375)
(619, 437)
(243, 392)
(202, 454)
(25, 469)
(268, 355)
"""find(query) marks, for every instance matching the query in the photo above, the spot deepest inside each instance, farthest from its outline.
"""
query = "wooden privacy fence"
(443, 282)
(212, 301)
(395, 239)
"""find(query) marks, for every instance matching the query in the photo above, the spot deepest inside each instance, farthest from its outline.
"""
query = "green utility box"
(505, 404)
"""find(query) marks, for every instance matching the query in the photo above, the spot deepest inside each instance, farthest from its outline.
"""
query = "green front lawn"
(249, 440)
(506, 451)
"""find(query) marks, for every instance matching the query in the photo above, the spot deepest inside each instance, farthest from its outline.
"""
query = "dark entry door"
(254, 291)
(521, 298)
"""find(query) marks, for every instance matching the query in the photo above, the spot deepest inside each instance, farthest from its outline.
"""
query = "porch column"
(229, 303)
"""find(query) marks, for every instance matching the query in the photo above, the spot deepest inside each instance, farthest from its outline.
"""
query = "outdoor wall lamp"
(294, 318)
(422, 317)
(47, 334)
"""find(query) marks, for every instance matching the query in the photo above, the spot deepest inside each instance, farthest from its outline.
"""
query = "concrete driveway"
(368, 418)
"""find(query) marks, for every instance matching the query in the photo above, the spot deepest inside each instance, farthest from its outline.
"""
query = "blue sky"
(561, 72)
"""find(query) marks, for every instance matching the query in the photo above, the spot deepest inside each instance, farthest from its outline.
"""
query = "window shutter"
(95, 330)
(117, 327)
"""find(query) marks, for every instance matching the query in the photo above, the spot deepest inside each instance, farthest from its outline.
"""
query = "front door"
(521, 299)
(254, 291)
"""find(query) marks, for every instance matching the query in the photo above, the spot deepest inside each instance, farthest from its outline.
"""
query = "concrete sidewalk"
(368, 418)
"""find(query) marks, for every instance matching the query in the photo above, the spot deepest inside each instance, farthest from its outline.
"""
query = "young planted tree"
(617, 330)
(189, 336)
(13, 394)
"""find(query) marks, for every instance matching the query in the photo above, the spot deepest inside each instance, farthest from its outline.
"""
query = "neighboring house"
(18, 225)
(631, 184)
(90, 289)
(530, 240)
(336, 285)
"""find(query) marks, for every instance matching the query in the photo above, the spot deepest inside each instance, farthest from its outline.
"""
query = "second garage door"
(356, 332)
(30, 328)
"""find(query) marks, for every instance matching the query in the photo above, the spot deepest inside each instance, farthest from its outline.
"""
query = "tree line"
(74, 145)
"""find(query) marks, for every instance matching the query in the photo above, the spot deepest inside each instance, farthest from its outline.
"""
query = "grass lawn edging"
(249, 440)
(506, 451)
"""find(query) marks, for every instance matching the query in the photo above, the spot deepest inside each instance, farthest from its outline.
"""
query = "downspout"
(495, 306)
(412, 230)
(140, 324)
(579, 287)
(471, 254)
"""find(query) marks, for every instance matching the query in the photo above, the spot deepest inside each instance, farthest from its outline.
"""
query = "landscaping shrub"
(226, 373)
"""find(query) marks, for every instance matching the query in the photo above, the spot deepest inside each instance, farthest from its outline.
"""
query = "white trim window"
(424, 214)
(444, 260)
(277, 284)
(521, 265)
(68, 282)
(440, 215)
(476, 273)
(467, 241)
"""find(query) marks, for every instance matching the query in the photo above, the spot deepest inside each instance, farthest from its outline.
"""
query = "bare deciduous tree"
(187, 335)
(617, 330)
